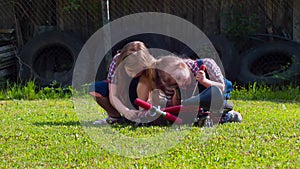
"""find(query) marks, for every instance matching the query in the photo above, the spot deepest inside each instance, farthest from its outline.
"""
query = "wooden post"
(224, 14)
(198, 13)
(60, 14)
(211, 18)
(296, 20)
(269, 18)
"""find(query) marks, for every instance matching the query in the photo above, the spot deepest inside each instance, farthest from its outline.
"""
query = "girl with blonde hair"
(171, 73)
(175, 73)
(132, 60)
(133, 80)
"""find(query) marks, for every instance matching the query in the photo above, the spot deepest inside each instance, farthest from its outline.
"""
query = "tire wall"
(228, 55)
(8, 67)
(271, 63)
(50, 57)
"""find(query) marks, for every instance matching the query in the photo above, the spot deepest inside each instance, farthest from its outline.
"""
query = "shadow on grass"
(53, 123)
(131, 126)
(85, 124)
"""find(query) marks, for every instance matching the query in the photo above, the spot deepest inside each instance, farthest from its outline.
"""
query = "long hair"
(171, 72)
(131, 48)
(167, 67)
(134, 57)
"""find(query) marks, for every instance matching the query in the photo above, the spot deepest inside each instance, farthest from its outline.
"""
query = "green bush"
(29, 91)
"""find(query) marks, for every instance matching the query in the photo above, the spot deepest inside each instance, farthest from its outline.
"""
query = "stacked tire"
(271, 63)
(228, 55)
(8, 66)
(49, 58)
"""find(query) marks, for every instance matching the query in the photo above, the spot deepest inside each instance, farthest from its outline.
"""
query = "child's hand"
(200, 77)
(143, 113)
(131, 115)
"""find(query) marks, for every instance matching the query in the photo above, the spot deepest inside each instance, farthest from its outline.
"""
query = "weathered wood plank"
(211, 17)
(296, 20)
(6, 15)
(282, 17)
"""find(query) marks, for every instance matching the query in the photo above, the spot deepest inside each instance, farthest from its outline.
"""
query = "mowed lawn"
(48, 134)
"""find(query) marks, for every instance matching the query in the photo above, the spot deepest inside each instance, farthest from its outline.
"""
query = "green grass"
(263, 92)
(29, 91)
(47, 134)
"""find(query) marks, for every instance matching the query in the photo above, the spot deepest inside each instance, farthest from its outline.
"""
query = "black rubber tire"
(7, 56)
(259, 64)
(40, 62)
(228, 55)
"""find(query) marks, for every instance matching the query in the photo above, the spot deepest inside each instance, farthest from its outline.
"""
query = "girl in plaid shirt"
(173, 74)
(102, 93)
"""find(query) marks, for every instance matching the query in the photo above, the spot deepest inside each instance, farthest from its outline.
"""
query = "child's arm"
(201, 78)
(216, 77)
(117, 103)
(144, 88)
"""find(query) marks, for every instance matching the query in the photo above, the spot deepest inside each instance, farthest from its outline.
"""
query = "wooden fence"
(233, 18)
(211, 16)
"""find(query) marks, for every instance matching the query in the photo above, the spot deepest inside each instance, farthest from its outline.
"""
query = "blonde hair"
(131, 48)
(138, 61)
(172, 67)
(135, 57)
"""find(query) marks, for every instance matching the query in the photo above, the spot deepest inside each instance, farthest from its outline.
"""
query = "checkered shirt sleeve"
(192, 64)
(112, 68)
(212, 69)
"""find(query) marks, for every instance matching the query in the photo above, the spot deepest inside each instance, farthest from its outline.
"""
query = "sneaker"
(109, 120)
(231, 117)
(101, 122)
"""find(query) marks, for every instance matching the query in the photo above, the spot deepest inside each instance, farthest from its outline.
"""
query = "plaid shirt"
(112, 68)
(212, 69)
